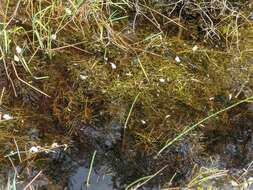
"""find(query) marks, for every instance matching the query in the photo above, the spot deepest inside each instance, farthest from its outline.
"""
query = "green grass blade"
(187, 130)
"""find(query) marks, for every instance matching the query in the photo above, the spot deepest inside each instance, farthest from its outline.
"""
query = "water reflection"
(77, 180)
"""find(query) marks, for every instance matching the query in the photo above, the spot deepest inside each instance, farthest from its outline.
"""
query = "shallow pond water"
(116, 166)
(134, 79)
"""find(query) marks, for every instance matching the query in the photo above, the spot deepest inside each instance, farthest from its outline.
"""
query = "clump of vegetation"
(152, 67)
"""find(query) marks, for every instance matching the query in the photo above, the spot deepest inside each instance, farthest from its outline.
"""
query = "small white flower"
(113, 65)
(7, 117)
(18, 49)
(177, 59)
(234, 183)
(83, 77)
(143, 122)
(129, 74)
(162, 80)
(53, 36)
(230, 97)
(16, 58)
(33, 149)
(68, 11)
(195, 48)
(54, 145)
(167, 116)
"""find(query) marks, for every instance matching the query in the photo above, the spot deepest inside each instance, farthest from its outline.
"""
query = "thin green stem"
(143, 180)
(187, 130)
(128, 117)
(91, 166)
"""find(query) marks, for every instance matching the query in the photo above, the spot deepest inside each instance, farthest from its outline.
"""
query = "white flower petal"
(54, 145)
(195, 48)
(68, 11)
(7, 117)
(162, 80)
(16, 58)
(33, 149)
(167, 116)
(53, 36)
(18, 49)
(177, 59)
(230, 97)
(234, 183)
(65, 147)
(83, 77)
(113, 65)
(129, 74)
(143, 122)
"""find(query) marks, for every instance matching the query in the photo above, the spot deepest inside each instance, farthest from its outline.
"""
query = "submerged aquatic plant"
(189, 129)
(152, 67)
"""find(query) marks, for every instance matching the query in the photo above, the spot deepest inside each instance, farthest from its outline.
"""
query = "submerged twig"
(7, 73)
(30, 183)
(1, 96)
(143, 70)
(13, 166)
(17, 148)
(31, 86)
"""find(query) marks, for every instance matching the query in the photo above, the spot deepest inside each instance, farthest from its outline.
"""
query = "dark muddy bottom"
(112, 169)
(72, 172)
(116, 168)
(227, 149)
